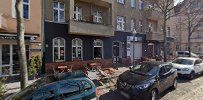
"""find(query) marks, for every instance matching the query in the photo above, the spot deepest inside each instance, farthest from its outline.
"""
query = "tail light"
(97, 93)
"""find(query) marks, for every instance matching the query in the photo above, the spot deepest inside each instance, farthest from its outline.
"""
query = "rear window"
(180, 53)
(87, 86)
(68, 89)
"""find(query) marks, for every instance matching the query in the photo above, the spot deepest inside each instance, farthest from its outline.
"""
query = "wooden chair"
(62, 69)
(94, 66)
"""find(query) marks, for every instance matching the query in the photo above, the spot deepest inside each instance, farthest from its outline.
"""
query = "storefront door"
(116, 52)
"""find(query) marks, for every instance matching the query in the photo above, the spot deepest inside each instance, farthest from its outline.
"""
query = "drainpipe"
(91, 8)
(43, 37)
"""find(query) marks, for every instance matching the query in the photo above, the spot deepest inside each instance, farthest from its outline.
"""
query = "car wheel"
(192, 75)
(153, 95)
(175, 84)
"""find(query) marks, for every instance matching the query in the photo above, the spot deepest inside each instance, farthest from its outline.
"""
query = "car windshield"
(183, 61)
(146, 69)
(43, 81)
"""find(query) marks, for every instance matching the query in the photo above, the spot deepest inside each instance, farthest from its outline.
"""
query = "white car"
(186, 54)
(187, 66)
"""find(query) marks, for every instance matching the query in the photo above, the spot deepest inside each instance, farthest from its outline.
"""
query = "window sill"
(98, 58)
(24, 19)
(75, 59)
(122, 3)
(59, 61)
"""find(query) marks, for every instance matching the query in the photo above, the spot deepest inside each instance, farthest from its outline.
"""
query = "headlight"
(143, 86)
(185, 69)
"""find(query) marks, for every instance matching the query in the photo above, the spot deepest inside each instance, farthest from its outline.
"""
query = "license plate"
(124, 94)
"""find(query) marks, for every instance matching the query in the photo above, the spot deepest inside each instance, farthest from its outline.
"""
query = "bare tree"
(192, 16)
(21, 43)
(165, 9)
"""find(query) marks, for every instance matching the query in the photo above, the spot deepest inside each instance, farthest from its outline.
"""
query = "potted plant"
(34, 66)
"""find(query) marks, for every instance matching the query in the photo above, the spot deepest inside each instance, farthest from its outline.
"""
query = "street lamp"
(134, 33)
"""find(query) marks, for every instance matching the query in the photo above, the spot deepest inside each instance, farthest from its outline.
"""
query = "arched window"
(77, 50)
(98, 49)
(58, 49)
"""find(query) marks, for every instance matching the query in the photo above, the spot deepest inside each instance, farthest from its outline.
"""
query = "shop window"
(98, 49)
(58, 49)
(77, 50)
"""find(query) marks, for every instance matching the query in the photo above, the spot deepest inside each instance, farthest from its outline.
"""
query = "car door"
(197, 66)
(163, 79)
(201, 65)
(169, 72)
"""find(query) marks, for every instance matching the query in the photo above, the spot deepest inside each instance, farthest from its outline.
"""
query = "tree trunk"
(189, 46)
(21, 43)
(189, 40)
(165, 39)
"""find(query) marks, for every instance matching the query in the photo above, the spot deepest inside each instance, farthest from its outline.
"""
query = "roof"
(189, 58)
(155, 62)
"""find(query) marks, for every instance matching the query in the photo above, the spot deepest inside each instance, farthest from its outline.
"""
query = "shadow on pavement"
(111, 95)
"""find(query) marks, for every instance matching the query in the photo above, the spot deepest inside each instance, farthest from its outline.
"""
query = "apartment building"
(9, 62)
(98, 31)
(155, 35)
(182, 30)
(88, 30)
(128, 20)
(78, 30)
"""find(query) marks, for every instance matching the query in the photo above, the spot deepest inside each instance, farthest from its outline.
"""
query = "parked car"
(185, 54)
(68, 86)
(188, 66)
(145, 81)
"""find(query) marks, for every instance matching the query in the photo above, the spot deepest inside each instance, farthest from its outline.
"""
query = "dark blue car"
(68, 86)
(145, 81)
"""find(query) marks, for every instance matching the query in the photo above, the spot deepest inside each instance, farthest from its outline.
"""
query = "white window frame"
(77, 46)
(133, 3)
(58, 47)
(78, 12)
(141, 4)
(11, 60)
(120, 23)
(132, 24)
(102, 47)
(14, 10)
(98, 17)
(121, 1)
(58, 10)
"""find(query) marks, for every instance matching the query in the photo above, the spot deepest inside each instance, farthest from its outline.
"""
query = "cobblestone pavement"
(187, 90)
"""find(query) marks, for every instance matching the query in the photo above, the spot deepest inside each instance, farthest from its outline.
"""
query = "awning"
(13, 36)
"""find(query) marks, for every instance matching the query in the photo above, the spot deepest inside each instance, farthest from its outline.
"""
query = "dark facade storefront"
(53, 30)
(114, 48)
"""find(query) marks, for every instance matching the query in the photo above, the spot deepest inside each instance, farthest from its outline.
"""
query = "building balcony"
(155, 36)
(90, 28)
(104, 3)
(3, 22)
(151, 14)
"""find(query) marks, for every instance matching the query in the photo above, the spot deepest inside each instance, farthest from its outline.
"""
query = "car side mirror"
(161, 74)
(157, 77)
(130, 67)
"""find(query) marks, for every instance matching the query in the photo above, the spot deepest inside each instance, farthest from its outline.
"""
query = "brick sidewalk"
(195, 94)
